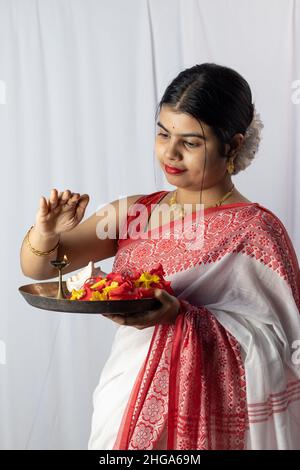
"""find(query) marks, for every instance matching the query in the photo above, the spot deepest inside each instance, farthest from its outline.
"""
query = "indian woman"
(216, 366)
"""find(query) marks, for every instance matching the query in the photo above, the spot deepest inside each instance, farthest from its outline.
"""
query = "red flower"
(166, 285)
(144, 292)
(123, 296)
(126, 289)
(117, 277)
(88, 292)
(91, 280)
(158, 270)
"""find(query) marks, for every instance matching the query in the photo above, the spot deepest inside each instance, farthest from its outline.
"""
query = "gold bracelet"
(38, 252)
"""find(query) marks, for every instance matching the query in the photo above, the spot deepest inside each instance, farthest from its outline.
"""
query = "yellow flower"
(98, 284)
(146, 279)
(98, 296)
(77, 294)
(113, 285)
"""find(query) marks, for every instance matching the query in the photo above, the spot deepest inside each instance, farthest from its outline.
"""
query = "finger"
(59, 196)
(61, 199)
(82, 203)
(163, 296)
(43, 206)
(145, 319)
(73, 199)
(141, 327)
(65, 196)
(120, 319)
(53, 199)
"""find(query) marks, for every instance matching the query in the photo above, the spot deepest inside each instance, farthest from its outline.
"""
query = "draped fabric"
(191, 393)
(79, 85)
(222, 377)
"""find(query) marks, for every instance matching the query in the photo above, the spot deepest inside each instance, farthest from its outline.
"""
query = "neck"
(210, 196)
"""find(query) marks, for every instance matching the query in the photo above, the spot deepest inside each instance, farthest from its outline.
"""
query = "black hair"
(214, 94)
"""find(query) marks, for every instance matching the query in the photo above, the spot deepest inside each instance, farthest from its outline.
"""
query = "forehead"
(179, 122)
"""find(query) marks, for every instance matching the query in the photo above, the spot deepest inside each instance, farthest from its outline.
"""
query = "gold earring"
(230, 166)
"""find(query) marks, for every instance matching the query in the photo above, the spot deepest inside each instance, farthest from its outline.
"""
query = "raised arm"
(58, 220)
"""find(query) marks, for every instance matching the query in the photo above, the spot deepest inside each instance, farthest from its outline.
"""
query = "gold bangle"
(38, 252)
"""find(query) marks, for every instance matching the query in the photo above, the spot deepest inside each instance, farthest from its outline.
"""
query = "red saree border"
(151, 200)
(173, 398)
(124, 438)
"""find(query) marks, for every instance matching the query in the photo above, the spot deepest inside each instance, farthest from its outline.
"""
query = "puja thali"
(43, 295)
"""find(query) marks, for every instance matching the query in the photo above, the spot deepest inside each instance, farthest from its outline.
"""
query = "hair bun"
(250, 144)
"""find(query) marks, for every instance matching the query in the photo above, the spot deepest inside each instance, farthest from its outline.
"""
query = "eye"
(191, 144)
(188, 144)
(162, 134)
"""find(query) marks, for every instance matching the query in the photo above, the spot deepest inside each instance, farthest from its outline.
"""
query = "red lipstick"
(172, 170)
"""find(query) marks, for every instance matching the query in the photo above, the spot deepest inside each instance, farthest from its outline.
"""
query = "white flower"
(250, 145)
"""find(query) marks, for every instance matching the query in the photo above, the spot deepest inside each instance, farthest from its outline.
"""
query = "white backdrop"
(79, 85)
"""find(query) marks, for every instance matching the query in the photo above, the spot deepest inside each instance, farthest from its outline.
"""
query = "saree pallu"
(227, 374)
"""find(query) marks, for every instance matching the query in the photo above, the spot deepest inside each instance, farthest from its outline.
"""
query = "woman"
(216, 366)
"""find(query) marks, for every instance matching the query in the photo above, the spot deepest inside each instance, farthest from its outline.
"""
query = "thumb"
(83, 202)
(162, 295)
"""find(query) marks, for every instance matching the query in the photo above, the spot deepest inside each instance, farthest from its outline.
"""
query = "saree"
(226, 375)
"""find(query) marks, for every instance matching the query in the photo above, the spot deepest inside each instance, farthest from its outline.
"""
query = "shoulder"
(127, 201)
(254, 230)
(264, 236)
(266, 221)
(258, 224)
(120, 207)
(124, 205)
(271, 224)
(254, 216)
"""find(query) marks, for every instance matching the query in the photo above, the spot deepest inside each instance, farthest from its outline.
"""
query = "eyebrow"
(190, 134)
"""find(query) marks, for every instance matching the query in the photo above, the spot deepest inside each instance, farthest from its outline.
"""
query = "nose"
(172, 152)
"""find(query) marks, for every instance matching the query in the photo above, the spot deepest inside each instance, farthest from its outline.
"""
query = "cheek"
(214, 160)
(158, 148)
(195, 159)
(220, 164)
(214, 163)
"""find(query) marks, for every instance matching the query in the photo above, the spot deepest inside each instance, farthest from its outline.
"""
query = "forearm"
(34, 266)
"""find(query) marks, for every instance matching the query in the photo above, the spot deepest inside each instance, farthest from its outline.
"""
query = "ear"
(236, 142)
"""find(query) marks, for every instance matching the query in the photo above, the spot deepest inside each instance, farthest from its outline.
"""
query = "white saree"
(240, 310)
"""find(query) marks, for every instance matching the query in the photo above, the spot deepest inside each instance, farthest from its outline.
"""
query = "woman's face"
(187, 152)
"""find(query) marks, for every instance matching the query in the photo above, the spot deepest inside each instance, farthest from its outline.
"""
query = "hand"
(61, 213)
(165, 315)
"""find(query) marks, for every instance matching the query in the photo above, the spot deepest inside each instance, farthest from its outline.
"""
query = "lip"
(173, 170)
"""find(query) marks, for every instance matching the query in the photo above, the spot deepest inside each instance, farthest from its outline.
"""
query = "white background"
(81, 80)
